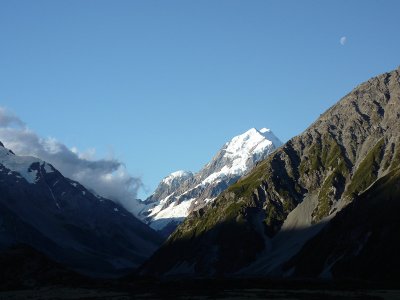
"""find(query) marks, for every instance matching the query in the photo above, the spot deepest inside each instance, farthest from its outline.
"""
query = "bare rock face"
(170, 184)
(337, 159)
(361, 242)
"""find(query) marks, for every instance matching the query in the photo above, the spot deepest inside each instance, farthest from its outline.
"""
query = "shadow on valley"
(201, 288)
(28, 274)
(358, 247)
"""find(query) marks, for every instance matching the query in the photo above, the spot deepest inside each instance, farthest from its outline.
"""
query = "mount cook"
(182, 192)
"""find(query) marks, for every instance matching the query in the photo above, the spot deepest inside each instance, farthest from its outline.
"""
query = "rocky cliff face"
(302, 185)
(183, 192)
(170, 184)
(361, 242)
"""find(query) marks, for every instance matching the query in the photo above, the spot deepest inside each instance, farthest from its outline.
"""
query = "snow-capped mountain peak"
(47, 211)
(26, 167)
(240, 154)
(182, 192)
(177, 174)
(250, 141)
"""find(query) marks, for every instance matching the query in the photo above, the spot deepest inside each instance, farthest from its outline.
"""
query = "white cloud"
(107, 177)
(8, 119)
(343, 40)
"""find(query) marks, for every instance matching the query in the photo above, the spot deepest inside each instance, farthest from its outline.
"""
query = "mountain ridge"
(59, 217)
(182, 192)
(339, 156)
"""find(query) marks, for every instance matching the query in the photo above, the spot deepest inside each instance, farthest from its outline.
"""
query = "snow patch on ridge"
(19, 164)
(175, 210)
(22, 165)
(48, 168)
(178, 174)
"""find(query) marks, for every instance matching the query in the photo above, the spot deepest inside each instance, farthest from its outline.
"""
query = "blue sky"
(161, 85)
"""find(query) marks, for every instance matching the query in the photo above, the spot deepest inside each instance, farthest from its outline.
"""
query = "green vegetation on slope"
(245, 186)
(320, 161)
(326, 156)
(330, 190)
(361, 241)
(367, 171)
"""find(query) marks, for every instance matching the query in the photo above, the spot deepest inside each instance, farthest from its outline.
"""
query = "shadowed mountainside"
(351, 145)
(59, 217)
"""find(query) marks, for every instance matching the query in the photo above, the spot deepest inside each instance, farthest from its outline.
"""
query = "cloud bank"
(107, 177)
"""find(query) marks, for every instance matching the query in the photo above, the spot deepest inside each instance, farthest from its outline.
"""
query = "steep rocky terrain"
(347, 159)
(59, 217)
(362, 241)
(183, 192)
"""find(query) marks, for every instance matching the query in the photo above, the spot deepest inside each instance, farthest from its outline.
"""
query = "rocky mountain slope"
(183, 192)
(59, 217)
(320, 200)
(362, 241)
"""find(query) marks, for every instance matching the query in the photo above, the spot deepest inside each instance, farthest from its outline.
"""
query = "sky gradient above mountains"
(182, 77)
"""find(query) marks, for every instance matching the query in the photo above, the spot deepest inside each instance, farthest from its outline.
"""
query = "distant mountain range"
(59, 217)
(182, 192)
(324, 205)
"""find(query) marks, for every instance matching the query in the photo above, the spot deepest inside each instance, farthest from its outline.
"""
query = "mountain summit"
(325, 204)
(182, 192)
(59, 217)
